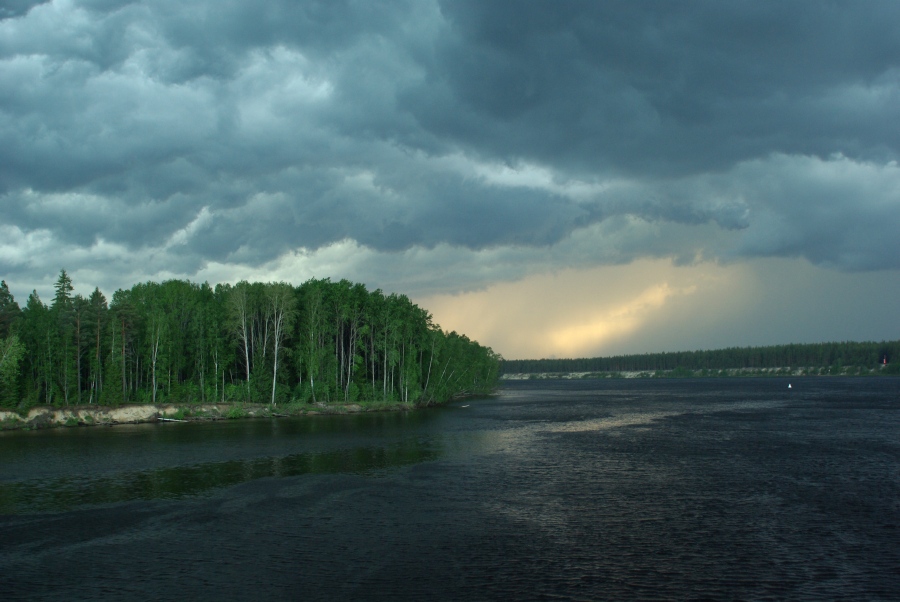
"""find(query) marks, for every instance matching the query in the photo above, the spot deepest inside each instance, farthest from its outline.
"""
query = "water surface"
(635, 489)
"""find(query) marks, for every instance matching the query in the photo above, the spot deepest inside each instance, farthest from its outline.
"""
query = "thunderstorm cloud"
(442, 147)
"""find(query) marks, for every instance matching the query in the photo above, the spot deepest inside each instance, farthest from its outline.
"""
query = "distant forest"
(819, 355)
(178, 342)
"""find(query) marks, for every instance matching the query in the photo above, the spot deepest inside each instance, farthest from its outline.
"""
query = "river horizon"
(634, 489)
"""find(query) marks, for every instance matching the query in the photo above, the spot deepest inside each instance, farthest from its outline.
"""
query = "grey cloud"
(17, 8)
(297, 125)
(664, 87)
(834, 213)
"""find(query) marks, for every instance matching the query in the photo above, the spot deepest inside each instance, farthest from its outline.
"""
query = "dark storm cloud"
(661, 87)
(16, 8)
(232, 131)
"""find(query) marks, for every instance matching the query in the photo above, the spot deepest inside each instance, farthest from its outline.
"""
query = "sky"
(553, 179)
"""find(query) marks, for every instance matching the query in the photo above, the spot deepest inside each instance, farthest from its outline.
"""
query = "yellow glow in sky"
(654, 305)
(577, 339)
(578, 313)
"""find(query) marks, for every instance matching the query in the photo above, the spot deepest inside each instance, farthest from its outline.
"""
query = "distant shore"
(705, 373)
(42, 417)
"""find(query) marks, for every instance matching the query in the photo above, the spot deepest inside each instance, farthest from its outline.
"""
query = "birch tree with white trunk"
(239, 310)
(281, 310)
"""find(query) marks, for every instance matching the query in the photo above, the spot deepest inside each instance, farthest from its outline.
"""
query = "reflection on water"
(65, 468)
(179, 481)
(707, 489)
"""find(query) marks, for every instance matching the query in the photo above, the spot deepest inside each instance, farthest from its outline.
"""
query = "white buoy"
(789, 385)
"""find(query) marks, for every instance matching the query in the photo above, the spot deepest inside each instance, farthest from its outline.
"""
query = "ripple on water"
(638, 490)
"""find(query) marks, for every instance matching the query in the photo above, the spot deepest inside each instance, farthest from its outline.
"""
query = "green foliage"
(822, 358)
(681, 372)
(302, 393)
(234, 392)
(891, 369)
(180, 342)
(236, 411)
(11, 353)
(10, 314)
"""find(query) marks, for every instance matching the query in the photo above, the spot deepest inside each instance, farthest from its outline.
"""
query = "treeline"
(178, 341)
(774, 356)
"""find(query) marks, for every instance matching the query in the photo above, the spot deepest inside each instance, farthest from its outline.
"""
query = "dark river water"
(571, 490)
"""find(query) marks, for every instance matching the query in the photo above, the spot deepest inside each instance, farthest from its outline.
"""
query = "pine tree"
(10, 314)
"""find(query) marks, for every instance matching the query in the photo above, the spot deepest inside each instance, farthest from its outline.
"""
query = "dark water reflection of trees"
(205, 457)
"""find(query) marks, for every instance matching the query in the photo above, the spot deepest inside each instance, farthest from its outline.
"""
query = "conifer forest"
(182, 342)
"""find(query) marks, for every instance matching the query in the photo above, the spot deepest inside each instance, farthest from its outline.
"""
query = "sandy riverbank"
(50, 417)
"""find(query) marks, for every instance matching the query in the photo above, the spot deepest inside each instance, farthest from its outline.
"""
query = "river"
(573, 490)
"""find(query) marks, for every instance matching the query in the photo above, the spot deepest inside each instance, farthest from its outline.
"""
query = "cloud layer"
(652, 306)
(436, 147)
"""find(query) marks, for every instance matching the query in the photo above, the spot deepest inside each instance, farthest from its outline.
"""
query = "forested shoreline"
(182, 342)
(826, 358)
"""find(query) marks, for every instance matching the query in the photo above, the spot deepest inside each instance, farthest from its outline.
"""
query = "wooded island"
(181, 342)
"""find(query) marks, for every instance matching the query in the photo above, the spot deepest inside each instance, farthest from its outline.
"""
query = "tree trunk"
(124, 374)
(154, 355)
